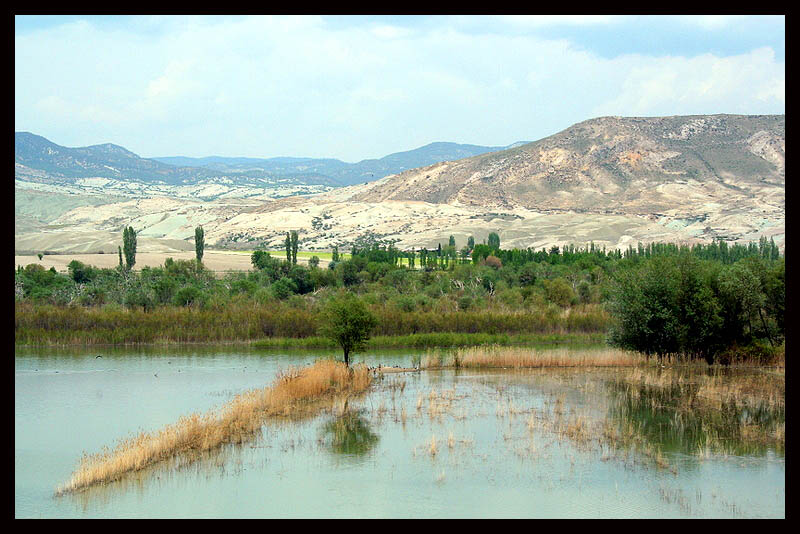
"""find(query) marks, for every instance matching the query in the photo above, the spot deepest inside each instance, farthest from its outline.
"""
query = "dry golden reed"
(520, 357)
(296, 392)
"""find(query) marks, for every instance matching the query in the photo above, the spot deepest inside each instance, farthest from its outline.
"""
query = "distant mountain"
(343, 173)
(106, 160)
(37, 159)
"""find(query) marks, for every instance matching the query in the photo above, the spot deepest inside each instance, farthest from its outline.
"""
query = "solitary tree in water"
(129, 246)
(199, 243)
(347, 321)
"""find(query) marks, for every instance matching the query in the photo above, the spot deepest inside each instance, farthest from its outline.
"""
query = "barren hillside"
(614, 181)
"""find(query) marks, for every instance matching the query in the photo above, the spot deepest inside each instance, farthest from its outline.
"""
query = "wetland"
(582, 441)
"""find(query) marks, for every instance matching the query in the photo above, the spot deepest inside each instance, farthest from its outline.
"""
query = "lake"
(434, 444)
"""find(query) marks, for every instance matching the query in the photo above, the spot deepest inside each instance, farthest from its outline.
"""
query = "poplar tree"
(293, 241)
(199, 243)
(494, 240)
(129, 246)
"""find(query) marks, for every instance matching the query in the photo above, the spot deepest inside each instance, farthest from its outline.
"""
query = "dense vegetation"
(700, 301)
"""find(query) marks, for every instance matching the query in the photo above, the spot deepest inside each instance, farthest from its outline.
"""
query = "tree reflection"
(349, 434)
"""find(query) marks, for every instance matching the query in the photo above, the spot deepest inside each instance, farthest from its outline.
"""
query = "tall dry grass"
(520, 357)
(296, 392)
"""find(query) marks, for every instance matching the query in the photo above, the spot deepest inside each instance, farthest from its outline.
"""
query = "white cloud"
(702, 84)
(266, 86)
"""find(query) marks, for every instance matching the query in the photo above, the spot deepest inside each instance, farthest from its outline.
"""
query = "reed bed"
(294, 393)
(518, 357)
(281, 325)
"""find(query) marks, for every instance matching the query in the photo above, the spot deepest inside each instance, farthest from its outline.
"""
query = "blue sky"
(356, 87)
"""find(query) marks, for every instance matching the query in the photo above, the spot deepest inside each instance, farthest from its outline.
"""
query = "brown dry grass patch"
(519, 357)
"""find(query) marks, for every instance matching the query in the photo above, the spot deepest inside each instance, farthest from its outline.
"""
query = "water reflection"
(349, 434)
(699, 412)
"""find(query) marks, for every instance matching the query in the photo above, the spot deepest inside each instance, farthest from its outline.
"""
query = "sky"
(357, 87)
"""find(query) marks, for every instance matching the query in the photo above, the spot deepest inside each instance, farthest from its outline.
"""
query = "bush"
(283, 288)
(188, 295)
(558, 291)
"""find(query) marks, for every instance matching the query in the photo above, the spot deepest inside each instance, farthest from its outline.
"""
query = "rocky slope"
(630, 165)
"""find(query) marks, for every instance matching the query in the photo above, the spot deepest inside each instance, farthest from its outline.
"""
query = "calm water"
(502, 445)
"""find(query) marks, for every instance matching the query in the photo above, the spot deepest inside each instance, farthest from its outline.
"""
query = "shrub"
(187, 296)
(283, 288)
(558, 291)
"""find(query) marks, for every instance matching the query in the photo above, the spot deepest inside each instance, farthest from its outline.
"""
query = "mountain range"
(614, 181)
(38, 158)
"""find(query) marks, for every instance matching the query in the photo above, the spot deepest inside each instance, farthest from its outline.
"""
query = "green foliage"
(493, 240)
(199, 243)
(188, 295)
(679, 304)
(79, 272)
(665, 299)
(347, 321)
(293, 245)
(129, 246)
(283, 288)
(558, 291)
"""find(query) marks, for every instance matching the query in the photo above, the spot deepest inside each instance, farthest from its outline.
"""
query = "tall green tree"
(119, 249)
(471, 242)
(288, 245)
(199, 243)
(335, 253)
(129, 246)
(494, 240)
(293, 242)
(452, 241)
(347, 321)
